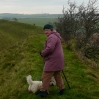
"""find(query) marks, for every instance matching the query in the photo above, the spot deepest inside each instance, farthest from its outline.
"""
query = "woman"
(54, 60)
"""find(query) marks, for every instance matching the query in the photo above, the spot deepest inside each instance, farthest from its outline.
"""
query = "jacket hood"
(57, 34)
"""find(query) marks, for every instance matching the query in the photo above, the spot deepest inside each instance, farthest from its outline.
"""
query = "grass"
(37, 21)
(22, 59)
(13, 32)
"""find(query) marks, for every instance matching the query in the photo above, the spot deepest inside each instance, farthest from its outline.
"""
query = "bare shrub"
(81, 23)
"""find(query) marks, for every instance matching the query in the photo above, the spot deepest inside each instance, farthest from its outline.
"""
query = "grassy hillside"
(13, 32)
(22, 59)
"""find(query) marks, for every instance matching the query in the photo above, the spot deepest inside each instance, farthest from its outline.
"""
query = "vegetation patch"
(22, 58)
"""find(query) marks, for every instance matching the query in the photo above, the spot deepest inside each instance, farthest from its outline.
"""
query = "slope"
(23, 59)
(14, 32)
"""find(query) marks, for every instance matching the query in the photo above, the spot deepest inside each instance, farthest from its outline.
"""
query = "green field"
(37, 21)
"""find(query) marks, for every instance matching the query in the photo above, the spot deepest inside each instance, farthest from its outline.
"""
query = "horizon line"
(31, 13)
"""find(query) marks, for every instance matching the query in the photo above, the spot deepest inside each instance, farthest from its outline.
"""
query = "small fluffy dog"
(34, 86)
(52, 82)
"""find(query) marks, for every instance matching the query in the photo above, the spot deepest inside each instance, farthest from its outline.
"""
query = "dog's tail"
(29, 79)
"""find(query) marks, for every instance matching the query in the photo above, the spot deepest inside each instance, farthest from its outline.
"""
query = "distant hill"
(34, 19)
(11, 15)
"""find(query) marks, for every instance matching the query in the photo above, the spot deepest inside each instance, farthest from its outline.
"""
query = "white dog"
(34, 86)
(52, 82)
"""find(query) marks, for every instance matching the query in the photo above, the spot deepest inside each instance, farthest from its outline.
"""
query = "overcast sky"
(36, 6)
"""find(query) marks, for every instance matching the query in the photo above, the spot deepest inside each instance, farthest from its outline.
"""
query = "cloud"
(34, 6)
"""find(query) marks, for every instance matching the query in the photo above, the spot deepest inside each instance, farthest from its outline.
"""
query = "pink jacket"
(53, 53)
